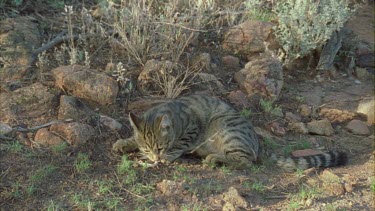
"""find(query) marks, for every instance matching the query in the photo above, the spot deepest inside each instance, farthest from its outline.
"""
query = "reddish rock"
(45, 137)
(239, 99)
(110, 123)
(262, 77)
(231, 61)
(320, 127)
(27, 102)
(74, 133)
(358, 127)
(87, 84)
(18, 38)
(249, 38)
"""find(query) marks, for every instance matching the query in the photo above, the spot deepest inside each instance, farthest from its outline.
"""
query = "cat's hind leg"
(232, 161)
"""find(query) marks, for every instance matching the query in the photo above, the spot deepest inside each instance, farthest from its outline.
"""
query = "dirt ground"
(48, 179)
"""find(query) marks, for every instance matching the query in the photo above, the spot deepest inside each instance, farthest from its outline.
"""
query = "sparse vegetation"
(305, 25)
(82, 163)
(269, 108)
(59, 148)
(14, 147)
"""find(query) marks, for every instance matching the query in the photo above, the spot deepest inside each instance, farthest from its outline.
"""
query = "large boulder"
(18, 37)
(86, 83)
(262, 77)
(249, 38)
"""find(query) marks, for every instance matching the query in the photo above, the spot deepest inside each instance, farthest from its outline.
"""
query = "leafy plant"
(305, 25)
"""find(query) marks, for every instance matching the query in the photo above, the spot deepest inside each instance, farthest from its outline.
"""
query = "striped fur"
(329, 159)
(209, 128)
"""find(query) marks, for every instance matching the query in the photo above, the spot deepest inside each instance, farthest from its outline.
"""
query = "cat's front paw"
(119, 146)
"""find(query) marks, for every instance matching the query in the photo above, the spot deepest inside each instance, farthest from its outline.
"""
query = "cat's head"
(154, 134)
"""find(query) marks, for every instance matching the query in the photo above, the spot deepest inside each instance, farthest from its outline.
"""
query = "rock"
(170, 188)
(304, 110)
(71, 108)
(27, 102)
(19, 37)
(239, 99)
(210, 82)
(86, 83)
(110, 123)
(364, 74)
(358, 127)
(231, 61)
(338, 116)
(249, 38)
(290, 117)
(275, 128)
(367, 107)
(5, 129)
(305, 152)
(153, 69)
(298, 127)
(261, 78)
(234, 198)
(74, 133)
(366, 60)
(46, 138)
(320, 127)
(332, 183)
(348, 187)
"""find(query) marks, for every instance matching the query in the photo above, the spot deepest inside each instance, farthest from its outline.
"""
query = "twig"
(20, 129)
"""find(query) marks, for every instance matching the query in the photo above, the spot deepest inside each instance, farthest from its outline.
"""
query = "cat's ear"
(135, 121)
(165, 121)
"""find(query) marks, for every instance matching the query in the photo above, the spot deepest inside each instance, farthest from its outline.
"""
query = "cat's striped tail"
(328, 159)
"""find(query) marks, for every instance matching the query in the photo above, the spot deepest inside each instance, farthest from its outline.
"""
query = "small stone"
(5, 129)
(358, 127)
(275, 128)
(74, 133)
(320, 127)
(110, 123)
(304, 110)
(298, 127)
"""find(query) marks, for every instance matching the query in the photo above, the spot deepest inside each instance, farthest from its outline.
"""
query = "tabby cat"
(209, 128)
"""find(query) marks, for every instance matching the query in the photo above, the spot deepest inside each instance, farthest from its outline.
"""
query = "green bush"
(305, 25)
